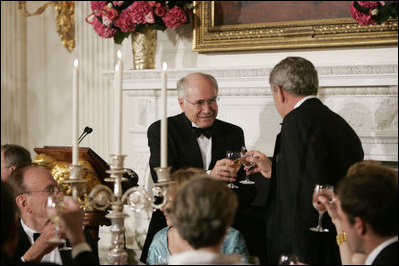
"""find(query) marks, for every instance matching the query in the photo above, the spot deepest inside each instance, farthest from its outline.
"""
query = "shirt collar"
(304, 99)
(29, 232)
(373, 254)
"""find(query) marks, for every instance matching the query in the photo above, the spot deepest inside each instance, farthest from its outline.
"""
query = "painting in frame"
(238, 31)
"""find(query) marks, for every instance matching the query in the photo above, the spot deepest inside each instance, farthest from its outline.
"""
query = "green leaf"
(120, 36)
(360, 8)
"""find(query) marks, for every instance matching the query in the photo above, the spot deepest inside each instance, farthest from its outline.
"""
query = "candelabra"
(77, 184)
(101, 197)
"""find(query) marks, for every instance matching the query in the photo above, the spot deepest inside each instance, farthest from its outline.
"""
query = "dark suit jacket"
(183, 148)
(184, 151)
(315, 145)
(89, 258)
(388, 256)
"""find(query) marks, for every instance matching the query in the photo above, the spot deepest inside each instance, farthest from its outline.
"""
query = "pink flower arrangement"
(373, 12)
(118, 19)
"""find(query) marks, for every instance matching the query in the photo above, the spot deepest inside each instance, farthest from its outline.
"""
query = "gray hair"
(181, 86)
(295, 75)
(15, 155)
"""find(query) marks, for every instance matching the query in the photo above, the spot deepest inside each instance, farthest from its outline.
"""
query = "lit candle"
(118, 103)
(75, 112)
(164, 121)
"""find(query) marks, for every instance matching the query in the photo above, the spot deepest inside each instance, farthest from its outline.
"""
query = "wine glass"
(55, 204)
(247, 165)
(288, 259)
(235, 156)
(327, 191)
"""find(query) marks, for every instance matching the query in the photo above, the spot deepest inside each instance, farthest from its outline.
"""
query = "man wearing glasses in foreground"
(32, 185)
(197, 139)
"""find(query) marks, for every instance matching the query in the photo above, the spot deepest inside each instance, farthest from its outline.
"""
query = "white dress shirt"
(304, 99)
(205, 145)
(53, 257)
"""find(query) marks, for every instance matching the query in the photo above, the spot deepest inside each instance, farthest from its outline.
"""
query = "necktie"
(207, 132)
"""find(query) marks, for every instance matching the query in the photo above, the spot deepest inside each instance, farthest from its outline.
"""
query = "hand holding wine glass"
(328, 192)
(55, 205)
(248, 165)
(235, 156)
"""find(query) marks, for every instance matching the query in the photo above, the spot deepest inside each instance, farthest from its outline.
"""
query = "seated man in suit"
(196, 138)
(12, 157)
(32, 185)
(366, 214)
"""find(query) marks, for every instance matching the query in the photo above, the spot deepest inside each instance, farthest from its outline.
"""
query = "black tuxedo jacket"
(184, 151)
(388, 256)
(183, 148)
(87, 258)
(315, 145)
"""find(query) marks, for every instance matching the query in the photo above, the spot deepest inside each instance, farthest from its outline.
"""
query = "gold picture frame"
(300, 34)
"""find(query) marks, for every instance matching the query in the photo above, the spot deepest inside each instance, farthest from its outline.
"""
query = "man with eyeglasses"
(32, 185)
(196, 138)
(12, 157)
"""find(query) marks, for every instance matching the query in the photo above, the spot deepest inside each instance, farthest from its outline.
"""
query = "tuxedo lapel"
(23, 242)
(188, 139)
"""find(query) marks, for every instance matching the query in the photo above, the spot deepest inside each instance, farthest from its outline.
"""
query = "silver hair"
(295, 75)
(181, 86)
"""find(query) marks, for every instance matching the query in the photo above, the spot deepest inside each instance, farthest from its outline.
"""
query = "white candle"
(164, 121)
(118, 104)
(75, 112)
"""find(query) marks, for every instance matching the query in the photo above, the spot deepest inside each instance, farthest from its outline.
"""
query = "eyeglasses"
(49, 190)
(201, 103)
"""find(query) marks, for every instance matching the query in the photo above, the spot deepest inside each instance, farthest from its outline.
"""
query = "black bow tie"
(207, 132)
(35, 236)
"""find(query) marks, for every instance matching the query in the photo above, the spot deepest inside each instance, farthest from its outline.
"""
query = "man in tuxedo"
(315, 145)
(12, 157)
(365, 214)
(368, 212)
(32, 185)
(196, 138)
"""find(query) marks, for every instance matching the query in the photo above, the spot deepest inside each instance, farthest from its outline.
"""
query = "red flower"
(360, 17)
(174, 18)
(160, 11)
(98, 5)
(103, 30)
(124, 17)
(139, 10)
(125, 21)
(373, 12)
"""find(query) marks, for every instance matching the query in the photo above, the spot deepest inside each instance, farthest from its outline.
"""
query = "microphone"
(86, 132)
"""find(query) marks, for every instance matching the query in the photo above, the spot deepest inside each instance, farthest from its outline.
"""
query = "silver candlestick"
(76, 183)
(101, 197)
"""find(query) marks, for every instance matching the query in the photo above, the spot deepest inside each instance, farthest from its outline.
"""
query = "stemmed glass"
(247, 165)
(328, 192)
(55, 204)
(235, 156)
